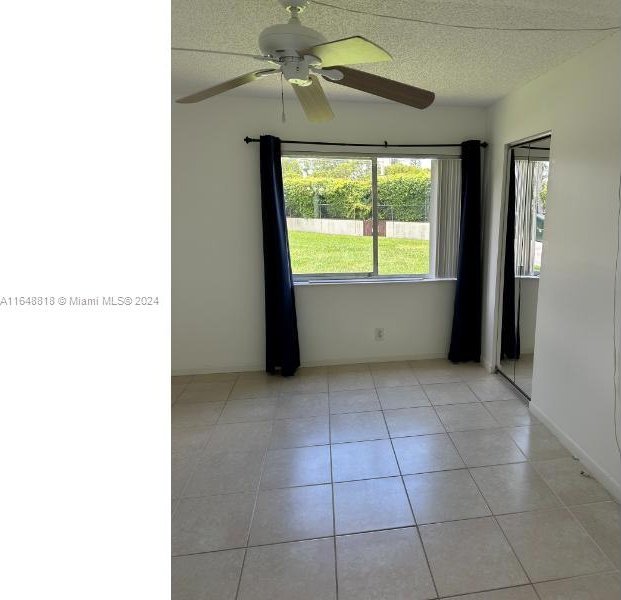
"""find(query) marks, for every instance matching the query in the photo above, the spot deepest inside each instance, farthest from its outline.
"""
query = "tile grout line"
(568, 508)
(199, 453)
(336, 571)
(588, 534)
(491, 511)
(526, 511)
(399, 437)
(252, 514)
(310, 539)
(612, 571)
(572, 577)
(530, 585)
(493, 516)
(520, 512)
(279, 397)
(183, 387)
(489, 591)
(193, 469)
(407, 495)
(198, 456)
(187, 386)
(528, 460)
(241, 570)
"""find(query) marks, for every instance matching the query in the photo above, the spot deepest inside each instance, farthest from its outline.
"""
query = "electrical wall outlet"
(379, 334)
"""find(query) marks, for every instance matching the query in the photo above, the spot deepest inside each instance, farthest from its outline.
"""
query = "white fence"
(342, 226)
(394, 229)
(407, 229)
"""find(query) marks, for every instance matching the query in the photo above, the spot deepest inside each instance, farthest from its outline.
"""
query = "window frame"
(532, 155)
(371, 275)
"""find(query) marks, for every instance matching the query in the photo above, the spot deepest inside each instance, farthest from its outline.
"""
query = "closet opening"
(528, 170)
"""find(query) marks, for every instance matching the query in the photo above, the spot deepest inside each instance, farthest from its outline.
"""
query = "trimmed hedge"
(401, 197)
(404, 197)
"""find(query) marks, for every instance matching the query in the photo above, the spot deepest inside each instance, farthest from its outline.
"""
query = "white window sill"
(371, 281)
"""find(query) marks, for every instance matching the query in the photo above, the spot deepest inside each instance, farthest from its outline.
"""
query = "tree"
(543, 197)
(291, 166)
(340, 168)
(401, 169)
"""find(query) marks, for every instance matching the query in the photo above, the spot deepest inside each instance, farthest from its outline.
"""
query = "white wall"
(217, 270)
(573, 376)
(337, 322)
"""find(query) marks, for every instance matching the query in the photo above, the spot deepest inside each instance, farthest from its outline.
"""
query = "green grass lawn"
(330, 253)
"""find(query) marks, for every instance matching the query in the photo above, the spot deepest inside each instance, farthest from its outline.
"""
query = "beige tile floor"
(387, 481)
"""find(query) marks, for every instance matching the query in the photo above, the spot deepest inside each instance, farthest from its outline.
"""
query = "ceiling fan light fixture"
(296, 72)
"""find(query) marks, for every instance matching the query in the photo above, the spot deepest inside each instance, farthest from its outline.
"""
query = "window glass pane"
(403, 197)
(531, 190)
(329, 214)
(541, 196)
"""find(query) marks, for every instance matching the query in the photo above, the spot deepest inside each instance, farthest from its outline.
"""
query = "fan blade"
(348, 51)
(385, 88)
(257, 56)
(225, 87)
(314, 101)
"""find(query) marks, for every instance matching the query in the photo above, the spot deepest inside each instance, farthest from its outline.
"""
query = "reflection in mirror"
(526, 210)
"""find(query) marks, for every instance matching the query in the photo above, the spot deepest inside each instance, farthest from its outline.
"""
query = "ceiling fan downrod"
(294, 6)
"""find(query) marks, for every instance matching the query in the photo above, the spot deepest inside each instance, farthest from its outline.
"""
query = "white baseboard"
(210, 370)
(371, 359)
(309, 363)
(594, 469)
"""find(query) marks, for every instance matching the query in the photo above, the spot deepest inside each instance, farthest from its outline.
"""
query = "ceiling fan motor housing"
(280, 41)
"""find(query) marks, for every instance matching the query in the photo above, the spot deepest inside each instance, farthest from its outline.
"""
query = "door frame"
(500, 265)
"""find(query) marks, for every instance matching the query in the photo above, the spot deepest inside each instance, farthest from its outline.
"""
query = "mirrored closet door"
(527, 190)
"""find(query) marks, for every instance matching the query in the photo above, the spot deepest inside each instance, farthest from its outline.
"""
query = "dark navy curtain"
(510, 336)
(466, 332)
(282, 352)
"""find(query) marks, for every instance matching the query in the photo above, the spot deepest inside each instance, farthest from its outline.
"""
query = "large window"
(328, 202)
(370, 216)
(403, 203)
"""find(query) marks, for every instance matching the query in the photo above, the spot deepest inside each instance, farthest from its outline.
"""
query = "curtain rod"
(248, 140)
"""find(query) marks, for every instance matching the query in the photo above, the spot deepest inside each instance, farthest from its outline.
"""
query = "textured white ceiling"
(461, 66)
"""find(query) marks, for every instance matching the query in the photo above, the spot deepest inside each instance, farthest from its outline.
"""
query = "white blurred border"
(85, 196)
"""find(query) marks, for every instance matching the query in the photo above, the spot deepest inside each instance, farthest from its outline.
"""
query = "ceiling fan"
(302, 56)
